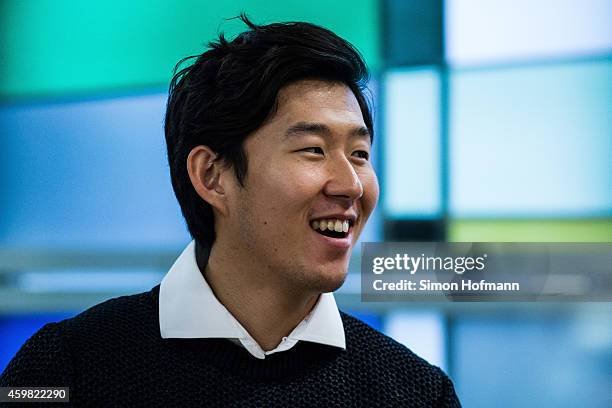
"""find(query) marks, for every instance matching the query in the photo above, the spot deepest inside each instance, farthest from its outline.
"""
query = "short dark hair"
(229, 91)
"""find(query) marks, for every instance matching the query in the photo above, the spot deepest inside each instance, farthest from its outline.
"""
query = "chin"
(327, 277)
(330, 281)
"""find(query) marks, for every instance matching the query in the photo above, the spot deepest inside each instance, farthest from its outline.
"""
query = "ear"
(205, 173)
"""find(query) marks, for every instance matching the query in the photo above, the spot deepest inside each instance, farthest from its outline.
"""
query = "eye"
(314, 150)
(362, 154)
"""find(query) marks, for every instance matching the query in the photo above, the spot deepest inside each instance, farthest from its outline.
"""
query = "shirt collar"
(189, 309)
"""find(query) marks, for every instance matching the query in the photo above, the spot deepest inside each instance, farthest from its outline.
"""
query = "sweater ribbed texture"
(113, 355)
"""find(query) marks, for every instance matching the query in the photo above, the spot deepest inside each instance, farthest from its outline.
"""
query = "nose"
(343, 182)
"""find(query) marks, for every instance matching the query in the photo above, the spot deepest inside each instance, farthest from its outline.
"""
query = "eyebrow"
(302, 128)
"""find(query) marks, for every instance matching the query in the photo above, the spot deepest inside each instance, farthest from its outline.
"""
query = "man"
(269, 140)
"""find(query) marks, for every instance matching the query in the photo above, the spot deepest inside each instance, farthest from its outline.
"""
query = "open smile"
(335, 232)
(333, 228)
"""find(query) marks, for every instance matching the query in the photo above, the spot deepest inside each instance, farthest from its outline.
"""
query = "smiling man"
(284, 235)
(269, 139)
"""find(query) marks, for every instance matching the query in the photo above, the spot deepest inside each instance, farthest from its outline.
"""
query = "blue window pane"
(413, 32)
(87, 174)
(93, 280)
(411, 182)
(532, 141)
(493, 31)
(422, 332)
(527, 361)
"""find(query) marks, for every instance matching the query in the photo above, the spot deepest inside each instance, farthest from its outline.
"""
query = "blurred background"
(494, 123)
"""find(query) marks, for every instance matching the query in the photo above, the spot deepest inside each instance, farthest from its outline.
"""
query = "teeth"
(338, 226)
(332, 225)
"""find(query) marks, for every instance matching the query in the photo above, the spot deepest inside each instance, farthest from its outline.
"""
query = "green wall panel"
(50, 47)
(591, 230)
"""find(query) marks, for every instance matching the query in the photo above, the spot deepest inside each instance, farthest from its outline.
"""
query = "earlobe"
(205, 174)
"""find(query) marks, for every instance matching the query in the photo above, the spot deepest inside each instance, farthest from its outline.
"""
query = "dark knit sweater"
(113, 355)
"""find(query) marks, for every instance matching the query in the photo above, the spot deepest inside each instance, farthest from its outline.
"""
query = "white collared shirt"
(189, 309)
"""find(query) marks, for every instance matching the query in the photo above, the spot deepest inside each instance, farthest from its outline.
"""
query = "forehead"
(316, 100)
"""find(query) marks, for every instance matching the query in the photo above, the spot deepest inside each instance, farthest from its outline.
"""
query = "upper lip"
(337, 216)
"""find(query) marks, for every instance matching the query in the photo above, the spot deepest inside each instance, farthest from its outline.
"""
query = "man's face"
(308, 165)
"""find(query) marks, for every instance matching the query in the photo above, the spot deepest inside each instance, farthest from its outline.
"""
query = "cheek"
(270, 203)
(293, 186)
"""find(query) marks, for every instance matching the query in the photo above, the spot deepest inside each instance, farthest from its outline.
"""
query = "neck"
(266, 309)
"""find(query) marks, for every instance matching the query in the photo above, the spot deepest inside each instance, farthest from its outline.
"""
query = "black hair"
(230, 90)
